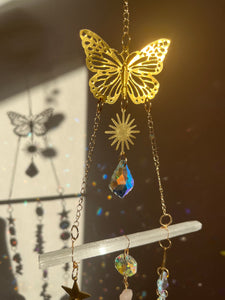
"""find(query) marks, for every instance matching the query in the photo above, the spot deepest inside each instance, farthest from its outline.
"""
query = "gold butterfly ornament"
(126, 76)
(123, 73)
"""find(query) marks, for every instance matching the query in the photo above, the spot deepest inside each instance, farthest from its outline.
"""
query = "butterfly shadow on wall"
(35, 126)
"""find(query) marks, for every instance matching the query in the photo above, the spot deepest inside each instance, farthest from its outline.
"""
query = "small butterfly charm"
(128, 75)
(30, 125)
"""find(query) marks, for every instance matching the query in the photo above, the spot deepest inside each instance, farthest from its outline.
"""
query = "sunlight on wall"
(68, 139)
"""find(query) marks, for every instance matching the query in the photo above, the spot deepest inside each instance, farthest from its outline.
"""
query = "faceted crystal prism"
(162, 285)
(126, 265)
(122, 181)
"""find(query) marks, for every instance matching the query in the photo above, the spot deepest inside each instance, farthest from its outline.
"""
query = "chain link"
(91, 146)
(126, 22)
(125, 281)
(164, 224)
(155, 154)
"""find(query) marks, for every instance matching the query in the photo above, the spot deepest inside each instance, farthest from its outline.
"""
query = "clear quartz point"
(122, 181)
(126, 294)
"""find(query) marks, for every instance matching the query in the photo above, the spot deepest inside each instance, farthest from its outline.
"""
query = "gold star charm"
(122, 132)
(75, 293)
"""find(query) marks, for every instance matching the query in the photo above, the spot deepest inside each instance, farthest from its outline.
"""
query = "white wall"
(70, 141)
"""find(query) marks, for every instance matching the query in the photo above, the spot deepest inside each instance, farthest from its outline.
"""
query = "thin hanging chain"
(155, 154)
(125, 37)
(91, 146)
(165, 219)
(126, 254)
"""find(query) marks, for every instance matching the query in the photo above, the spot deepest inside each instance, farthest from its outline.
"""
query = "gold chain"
(126, 37)
(164, 224)
(155, 154)
(75, 227)
(126, 253)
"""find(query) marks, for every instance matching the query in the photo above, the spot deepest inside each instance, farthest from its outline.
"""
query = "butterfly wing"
(39, 121)
(21, 123)
(106, 63)
(141, 66)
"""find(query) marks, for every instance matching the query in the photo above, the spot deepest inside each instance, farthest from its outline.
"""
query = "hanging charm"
(121, 76)
(163, 272)
(122, 181)
(126, 75)
(122, 132)
(126, 294)
(75, 293)
(126, 265)
(162, 284)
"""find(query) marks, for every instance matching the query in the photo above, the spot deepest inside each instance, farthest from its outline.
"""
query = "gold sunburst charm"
(122, 132)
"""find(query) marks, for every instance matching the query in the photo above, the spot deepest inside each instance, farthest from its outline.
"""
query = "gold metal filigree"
(122, 132)
(128, 75)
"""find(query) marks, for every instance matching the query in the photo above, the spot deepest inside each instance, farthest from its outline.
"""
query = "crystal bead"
(122, 181)
(162, 282)
(126, 265)
(126, 294)
(162, 285)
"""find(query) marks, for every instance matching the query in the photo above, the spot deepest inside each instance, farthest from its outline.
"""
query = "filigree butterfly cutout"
(32, 124)
(123, 74)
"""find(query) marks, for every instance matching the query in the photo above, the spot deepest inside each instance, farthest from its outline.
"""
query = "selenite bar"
(102, 247)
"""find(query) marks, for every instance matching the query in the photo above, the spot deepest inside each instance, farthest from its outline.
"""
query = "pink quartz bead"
(127, 294)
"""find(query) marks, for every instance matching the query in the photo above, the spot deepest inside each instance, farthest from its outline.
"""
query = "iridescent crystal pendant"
(122, 181)
(126, 265)
(162, 285)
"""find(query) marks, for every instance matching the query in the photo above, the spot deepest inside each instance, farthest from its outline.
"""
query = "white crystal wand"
(103, 247)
